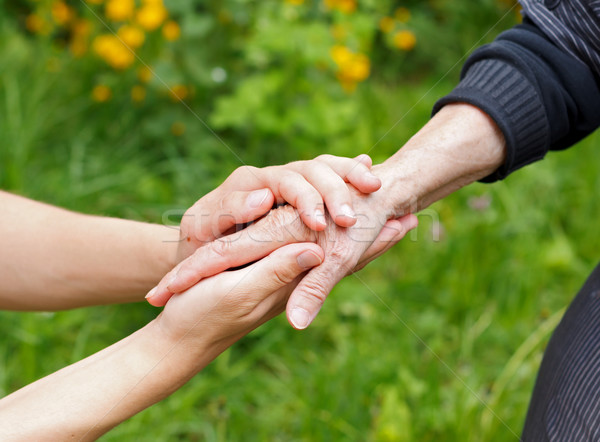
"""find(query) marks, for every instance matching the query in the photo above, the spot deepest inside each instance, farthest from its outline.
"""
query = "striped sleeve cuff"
(512, 101)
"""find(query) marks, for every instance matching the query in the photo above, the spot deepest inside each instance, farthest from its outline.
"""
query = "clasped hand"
(299, 251)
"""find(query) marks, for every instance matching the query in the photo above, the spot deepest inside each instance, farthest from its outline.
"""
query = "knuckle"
(302, 164)
(187, 266)
(282, 275)
(284, 222)
(244, 304)
(313, 291)
(244, 171)
(326, 157)
(322, 170)
(358, 167)
(340, 254)
(219, 248)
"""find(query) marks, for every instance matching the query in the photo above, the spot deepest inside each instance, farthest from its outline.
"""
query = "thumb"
(309, 296)
(282, 266)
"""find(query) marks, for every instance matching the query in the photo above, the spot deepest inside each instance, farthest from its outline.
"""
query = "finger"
(393, 232)
(297, 191)
(282, 266)
(250, 294)
(236, 207)
(160, 294)
(246, 246)
(309, 296)
(355, 171)
(281, 227)
(365, 159)
(334, 190)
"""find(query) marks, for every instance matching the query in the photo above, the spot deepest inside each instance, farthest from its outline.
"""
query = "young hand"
(248, 193)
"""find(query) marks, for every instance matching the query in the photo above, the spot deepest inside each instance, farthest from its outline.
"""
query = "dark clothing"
(566, 399)
(573, 26)
(541, 96)
(540, 82)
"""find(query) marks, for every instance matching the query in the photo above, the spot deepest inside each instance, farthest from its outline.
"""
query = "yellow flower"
(119, 10)
(101, 93)
(36, 24)
(341, 54)
(131, 36)
(171, 30)
(138, 93)
(178, 128)
(346, 6)
(113, 51)
(144, 74)
(405, 40)
(61, 13)
(387, 24)
(151, 15)
(179, 92)
(102, 44)
(358, 69)
(352, 68)
(402, 15)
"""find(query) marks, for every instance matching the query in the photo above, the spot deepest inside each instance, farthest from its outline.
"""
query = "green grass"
(411, 349)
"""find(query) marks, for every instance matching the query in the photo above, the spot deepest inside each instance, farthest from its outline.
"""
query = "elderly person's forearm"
(458, 146)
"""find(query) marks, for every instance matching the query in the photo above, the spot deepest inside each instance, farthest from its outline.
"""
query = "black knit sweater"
(540, 81)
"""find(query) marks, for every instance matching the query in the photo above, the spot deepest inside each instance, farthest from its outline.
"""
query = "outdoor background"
(451, 317)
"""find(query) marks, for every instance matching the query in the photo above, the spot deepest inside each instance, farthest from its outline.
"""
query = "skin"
(458, 146)
(88, 398)
(57, 259)
(333, 177)
(54, 259)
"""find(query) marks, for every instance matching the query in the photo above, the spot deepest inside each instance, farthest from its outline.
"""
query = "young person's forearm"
(458, 146)
(56, 259)
(88, 398)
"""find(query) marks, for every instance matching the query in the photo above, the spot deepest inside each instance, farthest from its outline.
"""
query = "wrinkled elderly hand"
(346, 250)
(249, 193)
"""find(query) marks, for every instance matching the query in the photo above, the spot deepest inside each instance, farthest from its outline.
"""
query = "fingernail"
(256, 198)
(371, 176)
(347, 211)
(299, 318)
(309, 259)
(320, 217)
(151, 293)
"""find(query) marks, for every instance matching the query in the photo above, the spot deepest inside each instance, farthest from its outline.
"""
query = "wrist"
(186, 349)
(160, 252)
(459, 145)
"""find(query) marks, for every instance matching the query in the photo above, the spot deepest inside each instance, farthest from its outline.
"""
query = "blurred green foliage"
(413, 347)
